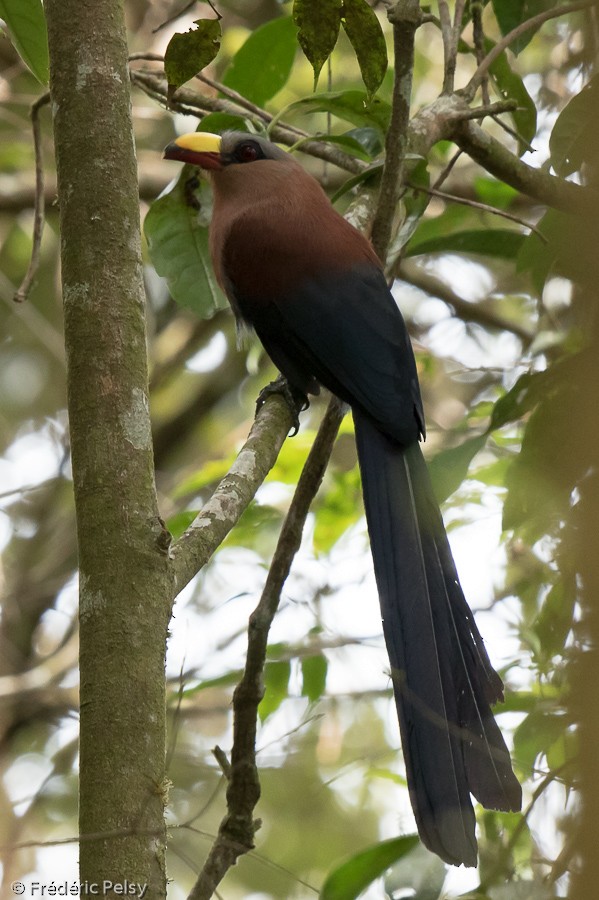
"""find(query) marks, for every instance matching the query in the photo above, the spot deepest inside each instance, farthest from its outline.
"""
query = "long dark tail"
(443, 680)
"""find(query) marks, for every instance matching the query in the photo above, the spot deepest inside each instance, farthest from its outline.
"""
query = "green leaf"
(450, 467)
(539, 483)
(366, 36)
(520, 399)
(261, 67)
(495, 193)
(217, 122)
(26, 24)
(561, 253)
(453, 219)
(493, 475)
(276, 683)
(351, 106)
(318, 22)
(419, 875)
(554, 622)
(510, 13)
(176, 228)
(535, 735)
(511, 87)
(348, 880)
(314, 676)
(500, 242)
(347, 143)
(190, 52)
(361, 178)
(415, 203)
(574, 138)
(370, 139)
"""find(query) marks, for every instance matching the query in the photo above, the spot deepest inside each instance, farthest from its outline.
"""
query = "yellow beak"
(200, 148)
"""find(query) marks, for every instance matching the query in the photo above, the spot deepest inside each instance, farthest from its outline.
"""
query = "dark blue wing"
(346, 331)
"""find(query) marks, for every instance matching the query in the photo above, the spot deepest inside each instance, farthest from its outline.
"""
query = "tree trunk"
(125, 589)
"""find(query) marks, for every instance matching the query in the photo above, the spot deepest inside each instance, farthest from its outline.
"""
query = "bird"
(314, 291)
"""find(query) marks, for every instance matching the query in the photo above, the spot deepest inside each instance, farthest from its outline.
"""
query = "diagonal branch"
(192, 103)
(447, 35)
(237, 829)
(233, 494)
(505, 165)
(514, 34)
(483, 207)
(478, 313)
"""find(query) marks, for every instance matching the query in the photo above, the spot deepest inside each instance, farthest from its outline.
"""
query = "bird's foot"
(296, 401)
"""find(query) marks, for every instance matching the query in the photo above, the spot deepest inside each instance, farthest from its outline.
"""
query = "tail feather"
(442, 677)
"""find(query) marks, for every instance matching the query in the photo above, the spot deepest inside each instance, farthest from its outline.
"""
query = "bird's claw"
(296, 401)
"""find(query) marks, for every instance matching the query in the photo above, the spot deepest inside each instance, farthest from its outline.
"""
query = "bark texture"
(125, 588)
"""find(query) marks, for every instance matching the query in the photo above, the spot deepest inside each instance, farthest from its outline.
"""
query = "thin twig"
(263, 860)
(504, 853)
(236, 97)
(191, 103)
(146, 56)
(405, 18)
(455, 38)
(447, 35)
(174, 17)
(514, 34)
(236, 831)
(481, 112)
(223, 761)
(228, 92)
(38, 216)
(478, 35)
(513, 133)
(484, 207)
(447, 170)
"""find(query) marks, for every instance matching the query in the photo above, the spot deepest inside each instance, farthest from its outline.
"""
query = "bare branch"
(236, 832)
(514, 34)
(228, 92)
(447, 35)
(234, 493)
(513, 133)
(405, 18)
(413, 274)
(447, 170)
(478, 36)
(450, 64)
(499, 161)
(484, 207)
(191, 103)
(506, 851)
(481, 112)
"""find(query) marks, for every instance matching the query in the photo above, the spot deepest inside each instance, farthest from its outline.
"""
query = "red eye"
(247, 152)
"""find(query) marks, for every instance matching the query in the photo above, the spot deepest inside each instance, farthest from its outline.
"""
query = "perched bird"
(313, 289)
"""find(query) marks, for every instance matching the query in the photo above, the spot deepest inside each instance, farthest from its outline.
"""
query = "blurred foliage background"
(500, 324)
